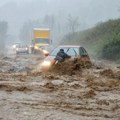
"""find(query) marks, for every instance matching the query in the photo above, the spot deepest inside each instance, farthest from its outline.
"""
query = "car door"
(83, 54)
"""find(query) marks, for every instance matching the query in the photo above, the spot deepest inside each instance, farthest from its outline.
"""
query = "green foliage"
(111, 50)
(101, 41)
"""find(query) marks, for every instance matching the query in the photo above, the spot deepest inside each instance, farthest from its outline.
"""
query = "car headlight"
(45, 52)
(26, 48)
(46, 63)
(14, 46)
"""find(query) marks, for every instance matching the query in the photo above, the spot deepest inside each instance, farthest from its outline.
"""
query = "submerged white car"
(22, 49)
(14, 46)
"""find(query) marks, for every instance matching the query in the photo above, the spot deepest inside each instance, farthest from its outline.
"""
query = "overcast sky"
(90, 12)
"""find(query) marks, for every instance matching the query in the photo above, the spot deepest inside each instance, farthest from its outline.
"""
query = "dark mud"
(89, 94)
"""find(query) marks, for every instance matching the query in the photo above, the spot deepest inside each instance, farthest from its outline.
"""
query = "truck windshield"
(42, 40)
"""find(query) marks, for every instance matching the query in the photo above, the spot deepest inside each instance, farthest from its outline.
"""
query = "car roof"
(77, 46)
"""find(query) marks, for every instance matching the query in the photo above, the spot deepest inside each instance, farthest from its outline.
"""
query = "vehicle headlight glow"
(14, 46)
(45, 52)
(46, 63)
(26, 48)
(36, 47)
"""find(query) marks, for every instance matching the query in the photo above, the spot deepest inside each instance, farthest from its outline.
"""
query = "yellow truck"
(41, 37)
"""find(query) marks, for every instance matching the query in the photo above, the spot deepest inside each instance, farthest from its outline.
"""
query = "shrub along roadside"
(111, 50)
(101, 41)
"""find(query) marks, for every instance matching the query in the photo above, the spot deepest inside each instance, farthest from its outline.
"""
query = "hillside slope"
(102, 41)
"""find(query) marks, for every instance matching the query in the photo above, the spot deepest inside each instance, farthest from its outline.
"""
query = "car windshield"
(72, 51)
(42, 40)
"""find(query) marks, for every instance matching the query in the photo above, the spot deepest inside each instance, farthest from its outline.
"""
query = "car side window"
(71, 52)
(76, 51)
(54, 52)
(83, 51)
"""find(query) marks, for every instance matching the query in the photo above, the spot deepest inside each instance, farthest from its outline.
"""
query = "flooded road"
(28, 94)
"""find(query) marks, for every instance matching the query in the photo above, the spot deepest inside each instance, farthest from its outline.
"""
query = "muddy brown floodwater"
(28, 94)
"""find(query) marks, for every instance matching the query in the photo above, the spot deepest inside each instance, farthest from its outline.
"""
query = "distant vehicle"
(41, 38)
(15, 45)
(74, 51)
(22, 49)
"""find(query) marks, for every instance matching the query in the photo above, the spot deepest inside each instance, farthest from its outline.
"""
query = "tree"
(49, 21)
(3, 34)
(25, 35)
(73, 23)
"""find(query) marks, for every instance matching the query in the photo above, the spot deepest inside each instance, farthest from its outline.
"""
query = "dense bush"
(103, 40)
(111, 50)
